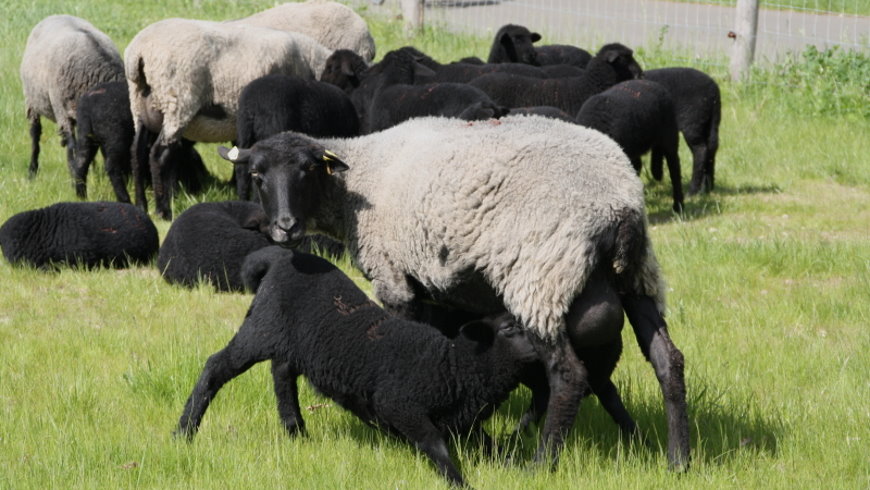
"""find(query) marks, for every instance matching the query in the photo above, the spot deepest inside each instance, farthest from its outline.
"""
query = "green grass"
(769, 279)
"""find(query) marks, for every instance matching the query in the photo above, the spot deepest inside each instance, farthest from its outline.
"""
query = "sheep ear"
(480, 332)
(332, 162)
(536, 37)
(234, 155)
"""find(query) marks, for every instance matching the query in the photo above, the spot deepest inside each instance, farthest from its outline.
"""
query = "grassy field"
(769, 299)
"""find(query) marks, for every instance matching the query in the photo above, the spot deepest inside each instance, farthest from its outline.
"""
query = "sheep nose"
(285, 222)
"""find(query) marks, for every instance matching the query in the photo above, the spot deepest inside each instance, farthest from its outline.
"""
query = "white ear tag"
(233, 153)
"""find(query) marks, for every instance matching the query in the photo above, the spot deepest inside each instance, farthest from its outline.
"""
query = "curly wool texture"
(527, 201)
(332, 24)
(215, 64)
(63, 58)
(85, 234)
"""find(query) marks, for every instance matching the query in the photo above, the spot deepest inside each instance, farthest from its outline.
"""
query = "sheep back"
(209, 241)
(86, 234)
(332, 24)
(531, 203)
(64, 56)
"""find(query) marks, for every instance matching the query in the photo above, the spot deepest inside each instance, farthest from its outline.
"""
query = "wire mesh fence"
(699, 30)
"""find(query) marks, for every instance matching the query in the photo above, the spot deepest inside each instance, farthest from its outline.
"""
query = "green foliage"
(830, 82)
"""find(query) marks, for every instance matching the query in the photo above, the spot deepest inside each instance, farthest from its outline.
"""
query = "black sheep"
(209, 241)
(612, 64)
(403, 377)
(467, 69)
(274, 103)
(514, 44)
(698, 106)
(388, 96)
(344, 69)
(105, 124)
(639, 115)
(83, 234)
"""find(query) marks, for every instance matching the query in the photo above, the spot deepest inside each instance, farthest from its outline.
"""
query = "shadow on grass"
(698, 206)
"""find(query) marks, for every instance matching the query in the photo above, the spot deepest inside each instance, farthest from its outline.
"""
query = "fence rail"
(696, 29)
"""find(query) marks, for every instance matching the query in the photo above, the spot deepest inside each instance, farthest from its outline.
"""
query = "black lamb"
(209, 241)
(612, 64)
(388, 96)
(274, 103)
(514, 44)
(105, 124)
(344, 69)
(639, 115)
(403, 377)
(698, 106)
(79, 234)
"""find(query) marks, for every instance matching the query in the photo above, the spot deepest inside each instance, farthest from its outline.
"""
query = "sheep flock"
(494, 206)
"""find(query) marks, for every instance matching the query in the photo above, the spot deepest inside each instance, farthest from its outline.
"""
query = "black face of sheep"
(513, 44)
(622, 59)
(287, 173)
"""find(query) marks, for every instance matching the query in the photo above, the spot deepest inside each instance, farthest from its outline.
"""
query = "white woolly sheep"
(63, 58)
(309, 319)
(193, 92)
(83, 234)
(331, 24)
(528, 214)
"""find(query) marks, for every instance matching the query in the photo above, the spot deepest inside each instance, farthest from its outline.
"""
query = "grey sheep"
(612, 64)
(640, 116)
(80, 234)
(331, 24)
(194, 92)
(529, 214)
(403, 377)
(698, 105)
(64, 56)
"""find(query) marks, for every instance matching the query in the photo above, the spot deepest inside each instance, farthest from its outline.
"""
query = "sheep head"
(289, 172)
(513, 43)
(621, 58)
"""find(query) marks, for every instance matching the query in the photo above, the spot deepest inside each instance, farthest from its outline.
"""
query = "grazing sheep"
(388, 96)
(639, 115)
(514, 44)
(84, 234)
(63, 58)
(698, 106)
(309, 319)
(529, 214)
(331, 24)
(275, 103)
(194, 92)
(612, 64)
(105, 124)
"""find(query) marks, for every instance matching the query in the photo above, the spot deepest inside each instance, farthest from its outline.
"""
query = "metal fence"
(692, 29)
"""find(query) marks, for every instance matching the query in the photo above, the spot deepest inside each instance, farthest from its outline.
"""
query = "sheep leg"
(536, 381)
(673, 159)
(68, 139)
(568, 381)
(35, 134)
(287, 393)
(87, 152)
(656, 164)
(651, 332)
(116, 174)
(236, 358)
(163, 175)
(413, 424)
(138, 155)
(699, 169)
(609, 397)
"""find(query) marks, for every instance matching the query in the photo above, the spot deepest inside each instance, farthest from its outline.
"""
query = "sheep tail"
(630, 247)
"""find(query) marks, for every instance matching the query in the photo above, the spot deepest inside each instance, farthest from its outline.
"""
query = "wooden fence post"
(744, 35)
(412, 12)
